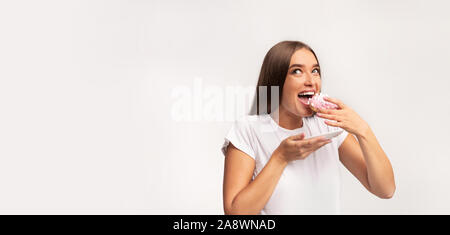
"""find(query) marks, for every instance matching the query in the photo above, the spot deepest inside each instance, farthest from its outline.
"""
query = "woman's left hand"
(343, 117)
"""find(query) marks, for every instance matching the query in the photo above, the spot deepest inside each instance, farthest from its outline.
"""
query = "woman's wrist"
(278, 157)
(363, 132)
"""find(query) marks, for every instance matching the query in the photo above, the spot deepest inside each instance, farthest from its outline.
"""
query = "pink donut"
(317, 102)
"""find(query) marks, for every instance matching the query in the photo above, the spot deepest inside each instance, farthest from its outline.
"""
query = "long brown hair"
(274, 71)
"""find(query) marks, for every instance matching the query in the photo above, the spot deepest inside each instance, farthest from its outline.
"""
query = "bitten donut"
(317, 102)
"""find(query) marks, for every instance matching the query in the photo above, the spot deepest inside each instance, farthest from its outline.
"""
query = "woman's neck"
(286, 119)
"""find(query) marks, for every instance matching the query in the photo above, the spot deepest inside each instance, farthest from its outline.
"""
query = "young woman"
(272, 167)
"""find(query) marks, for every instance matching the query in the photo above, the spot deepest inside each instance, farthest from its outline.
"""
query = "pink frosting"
(317, 101)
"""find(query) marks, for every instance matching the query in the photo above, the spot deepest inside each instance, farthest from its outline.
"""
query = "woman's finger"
(299, 140)
(329, 111)
(315, 142)
(335, 101)
(333, 123)
(329, 116)
(300, 136)
(317, 146)
(320, 146)
(312, 141)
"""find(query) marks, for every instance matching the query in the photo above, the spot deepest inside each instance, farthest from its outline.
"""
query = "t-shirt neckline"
(275, 124)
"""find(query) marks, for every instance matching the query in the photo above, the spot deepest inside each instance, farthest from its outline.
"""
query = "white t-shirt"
(308, 186)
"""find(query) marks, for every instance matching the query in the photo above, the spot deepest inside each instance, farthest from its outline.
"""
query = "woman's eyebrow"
(302, 65)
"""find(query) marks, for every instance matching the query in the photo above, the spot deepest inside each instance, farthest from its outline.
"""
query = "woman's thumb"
(298, 137)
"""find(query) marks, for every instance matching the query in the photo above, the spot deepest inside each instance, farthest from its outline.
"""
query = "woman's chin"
(305, 112)
(310, 114)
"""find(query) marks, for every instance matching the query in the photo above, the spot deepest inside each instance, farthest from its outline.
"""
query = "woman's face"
(303, 76)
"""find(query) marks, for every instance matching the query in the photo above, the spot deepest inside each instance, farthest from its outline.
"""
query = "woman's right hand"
(296, 147)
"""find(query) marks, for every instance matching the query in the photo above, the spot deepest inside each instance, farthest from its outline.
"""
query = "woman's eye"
(316, 71)
(297, 71)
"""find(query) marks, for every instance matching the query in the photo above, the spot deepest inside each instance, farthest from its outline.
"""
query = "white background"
(85, 97)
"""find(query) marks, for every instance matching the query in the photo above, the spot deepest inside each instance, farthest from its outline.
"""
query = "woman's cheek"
(319, 82)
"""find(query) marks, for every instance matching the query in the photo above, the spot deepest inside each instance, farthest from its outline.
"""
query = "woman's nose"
(309, 79)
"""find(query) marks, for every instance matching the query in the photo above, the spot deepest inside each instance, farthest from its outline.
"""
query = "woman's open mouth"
(305, 96)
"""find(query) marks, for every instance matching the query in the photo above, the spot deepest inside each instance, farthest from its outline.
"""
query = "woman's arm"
(241, 195)
(364, 158)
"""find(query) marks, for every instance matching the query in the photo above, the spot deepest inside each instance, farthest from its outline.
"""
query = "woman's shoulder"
(252, 119)
(243, 134)
(251, 123)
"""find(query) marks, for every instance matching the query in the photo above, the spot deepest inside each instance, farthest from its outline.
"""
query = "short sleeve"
(340, 138)
(240, 135)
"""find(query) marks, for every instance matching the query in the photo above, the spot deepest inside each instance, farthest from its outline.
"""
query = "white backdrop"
(87, 97)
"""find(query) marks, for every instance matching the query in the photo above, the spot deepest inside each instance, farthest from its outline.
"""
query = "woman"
(271, 167)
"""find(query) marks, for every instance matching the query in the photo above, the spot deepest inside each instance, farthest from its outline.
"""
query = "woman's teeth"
(306, 93)
(304, 99)
(305, 96)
